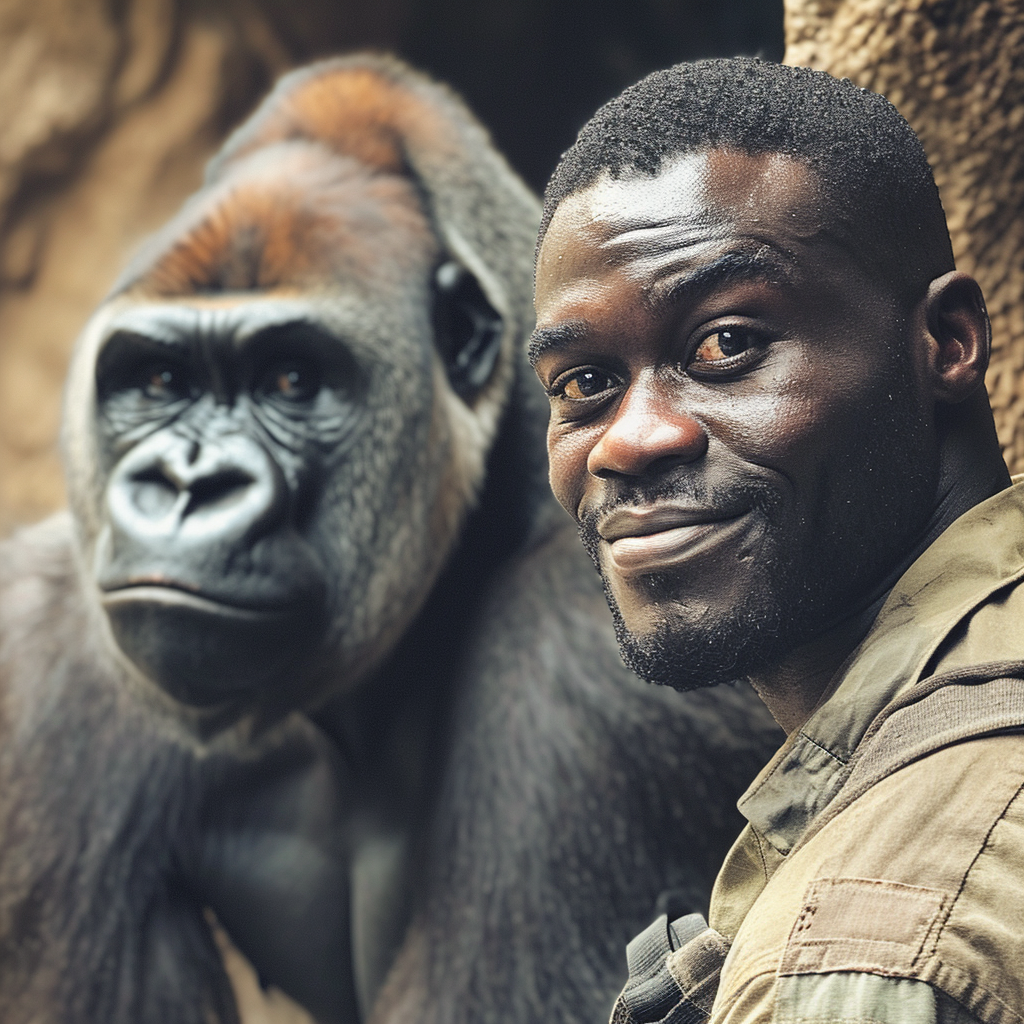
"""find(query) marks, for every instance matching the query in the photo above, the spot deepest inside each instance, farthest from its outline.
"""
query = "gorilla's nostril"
(218, 489)
(152, 493)
(232, 493)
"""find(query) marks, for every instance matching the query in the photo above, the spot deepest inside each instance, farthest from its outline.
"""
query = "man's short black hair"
(868, 159)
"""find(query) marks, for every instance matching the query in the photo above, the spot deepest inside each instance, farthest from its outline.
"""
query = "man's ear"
(960, 336)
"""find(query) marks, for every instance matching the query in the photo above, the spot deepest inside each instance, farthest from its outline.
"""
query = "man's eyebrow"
(544, 339)
(766, 263)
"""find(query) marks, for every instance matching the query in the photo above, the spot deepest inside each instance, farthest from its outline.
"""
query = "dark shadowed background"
(536, 70)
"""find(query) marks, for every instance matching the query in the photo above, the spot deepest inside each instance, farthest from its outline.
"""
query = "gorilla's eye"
(292, 380)
(584, 384)
(162, 381)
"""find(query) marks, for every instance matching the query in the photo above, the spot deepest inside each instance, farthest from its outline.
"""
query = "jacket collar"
(979, 554)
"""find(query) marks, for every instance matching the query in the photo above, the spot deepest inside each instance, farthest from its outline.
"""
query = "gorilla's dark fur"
(315, 649)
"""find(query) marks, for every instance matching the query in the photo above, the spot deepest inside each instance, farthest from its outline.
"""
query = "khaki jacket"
(881, 876)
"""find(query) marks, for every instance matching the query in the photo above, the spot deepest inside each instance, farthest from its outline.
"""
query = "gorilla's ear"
(468, 330)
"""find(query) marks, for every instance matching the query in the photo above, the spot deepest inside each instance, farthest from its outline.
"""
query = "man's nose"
(650, 433)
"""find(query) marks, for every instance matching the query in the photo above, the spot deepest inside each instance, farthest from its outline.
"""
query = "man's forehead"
(702, 189)
(698, 204)
(635, 199)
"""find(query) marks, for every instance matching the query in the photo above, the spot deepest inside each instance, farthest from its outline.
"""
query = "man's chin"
(656, 660)
(688, 656)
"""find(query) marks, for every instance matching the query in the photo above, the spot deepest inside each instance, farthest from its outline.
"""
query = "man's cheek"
(565, 494)
(567, 472)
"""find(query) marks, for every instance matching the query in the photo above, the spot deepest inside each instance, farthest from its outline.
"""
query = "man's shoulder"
(920, 878)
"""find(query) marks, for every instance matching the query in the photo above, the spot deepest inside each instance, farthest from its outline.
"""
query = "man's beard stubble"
(710, 651)
(803, 587)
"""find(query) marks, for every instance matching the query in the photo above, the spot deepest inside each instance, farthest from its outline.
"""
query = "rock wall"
(955, 70)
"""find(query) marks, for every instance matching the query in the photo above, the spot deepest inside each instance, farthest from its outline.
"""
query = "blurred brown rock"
(955, 70)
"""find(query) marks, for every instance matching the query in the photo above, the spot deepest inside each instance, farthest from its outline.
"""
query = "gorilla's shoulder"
(38, 575)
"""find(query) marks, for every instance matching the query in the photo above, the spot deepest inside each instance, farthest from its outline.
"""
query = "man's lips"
(647, 539)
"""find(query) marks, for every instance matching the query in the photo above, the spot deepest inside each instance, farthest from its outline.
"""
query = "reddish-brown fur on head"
(361, 112)
(293, 216)
(314, 186)
(353, 112)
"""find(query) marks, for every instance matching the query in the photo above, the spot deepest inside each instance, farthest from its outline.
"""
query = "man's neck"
(793, 686)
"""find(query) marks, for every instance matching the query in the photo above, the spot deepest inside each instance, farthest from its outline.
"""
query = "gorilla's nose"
(202, 492)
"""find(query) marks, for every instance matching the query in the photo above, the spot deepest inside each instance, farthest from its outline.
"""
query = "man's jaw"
(670, 544)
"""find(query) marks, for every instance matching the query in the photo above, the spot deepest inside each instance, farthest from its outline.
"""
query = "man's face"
(738, 419)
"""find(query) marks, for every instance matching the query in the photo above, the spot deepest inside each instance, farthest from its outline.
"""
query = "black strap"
(653, 995)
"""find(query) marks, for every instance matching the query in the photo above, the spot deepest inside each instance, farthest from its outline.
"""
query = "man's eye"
(727, 344)
(584, 384)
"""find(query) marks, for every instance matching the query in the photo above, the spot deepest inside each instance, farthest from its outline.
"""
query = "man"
(768, 418)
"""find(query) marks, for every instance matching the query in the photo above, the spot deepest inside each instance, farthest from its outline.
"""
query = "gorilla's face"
(217, 429)
(275, 476)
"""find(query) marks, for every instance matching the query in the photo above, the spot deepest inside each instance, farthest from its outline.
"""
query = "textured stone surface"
(955, 70)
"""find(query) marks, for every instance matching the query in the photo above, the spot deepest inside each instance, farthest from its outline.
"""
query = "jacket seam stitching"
(835, 757)
(764, 862)
(974, 860)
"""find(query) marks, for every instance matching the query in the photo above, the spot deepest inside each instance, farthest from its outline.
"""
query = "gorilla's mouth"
(178, 595)
(203, 650)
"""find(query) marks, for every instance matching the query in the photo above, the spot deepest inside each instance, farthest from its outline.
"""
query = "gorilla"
(314, 657)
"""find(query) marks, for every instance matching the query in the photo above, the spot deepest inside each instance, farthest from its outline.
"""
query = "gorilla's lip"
(177, 595)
